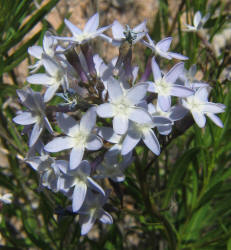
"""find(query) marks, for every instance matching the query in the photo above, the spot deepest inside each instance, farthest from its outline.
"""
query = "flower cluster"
(103, 111)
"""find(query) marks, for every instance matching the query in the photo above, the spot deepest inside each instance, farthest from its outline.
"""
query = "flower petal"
(35, 51)
(117, 30)
(93, 142)
(177, 112)
(174, 72)
(151, 141)
(199, 118)
(74, 30)
(114, 88)
(92, 24)
(156, 70)
(151, 87)
(120, 124)
(140, 27)
(161, 120)
(88, 120)
(108, 134)
(68, 125)
(180, 91)
(202, 93)
(177, 56)
(52, 68)
(76, 156)
(50, 92)
(215, 119)
(25, 118)
(164, 130)
(106, 218)
(79, 195)
(105, 110)
(164, 44)
(86, 222)
(47, 125)
(95, 186)
(197, 18)
(140, 115)
(59, 144)
(43, 79)
(36, 132)
(164, 102)
(211, 107)
(130, 141)
(137, 93)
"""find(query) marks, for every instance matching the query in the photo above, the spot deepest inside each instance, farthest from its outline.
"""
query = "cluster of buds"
(89, 90)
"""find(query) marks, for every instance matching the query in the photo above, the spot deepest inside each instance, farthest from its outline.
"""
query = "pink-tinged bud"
(148, 71)
(74, 60)
(87, 52)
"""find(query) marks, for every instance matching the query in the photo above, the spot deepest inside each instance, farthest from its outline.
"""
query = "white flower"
(6, 198)
(91, 210)
(89, 32)
(49, 170)
(49, 49)
(35, 114)
(189, 78)
(121, 34)
(161, 48)
(55, 77)
(199, 107)
(79, 136)
(113, 167)
(165, 85)
(79, 179)
(135, 133)
(198, 22)
(175, 113)
(122, 106)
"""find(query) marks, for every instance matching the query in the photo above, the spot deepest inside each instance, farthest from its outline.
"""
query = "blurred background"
(186, 203)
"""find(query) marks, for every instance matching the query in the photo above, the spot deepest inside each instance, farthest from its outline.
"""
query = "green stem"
(151, 208)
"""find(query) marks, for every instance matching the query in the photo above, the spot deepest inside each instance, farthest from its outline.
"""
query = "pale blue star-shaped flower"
(199, 106)
(53, 79)
(6, 198)
(91, 210)
(89, 32)
(112, 167)
(198, 22)
(114, 151)
(189, 78)
(49, 170)
(35, 114)
(79, 180)
(175, 113)
(166, 87)
(162, 47)
(79, 136)
(123, 105)
(49, 49)
(136, 132)
(121, 34)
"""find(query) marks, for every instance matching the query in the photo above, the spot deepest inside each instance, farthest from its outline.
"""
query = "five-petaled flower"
(199, 106)
(79, 136)
(89, 32)
(123, 105)
(166, 87)
(162, 47)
